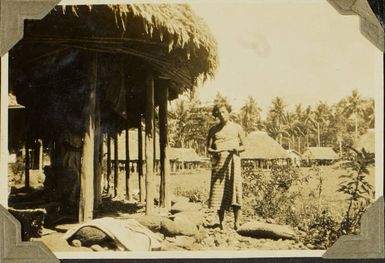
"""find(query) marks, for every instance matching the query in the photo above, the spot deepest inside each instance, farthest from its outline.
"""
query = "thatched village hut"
(179, 158)
(184, 158)
(262, 151)
(88, 72)
(319, 156)
(294, 157)
(366, 141)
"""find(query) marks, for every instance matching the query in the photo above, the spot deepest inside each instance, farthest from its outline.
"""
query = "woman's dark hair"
(220, 104)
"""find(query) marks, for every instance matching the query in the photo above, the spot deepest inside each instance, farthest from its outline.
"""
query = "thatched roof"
(320, 153)
(293, 153)
(259, 145)
(366, 141)
(184, 155)
(49, 67)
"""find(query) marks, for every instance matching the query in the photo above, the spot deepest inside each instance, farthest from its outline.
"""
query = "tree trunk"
(165, 194)
(86, 205)
(149, 143)
(318, 135)
(356, 127)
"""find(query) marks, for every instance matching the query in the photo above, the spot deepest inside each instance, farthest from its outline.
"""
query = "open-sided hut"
(84, 72)
(294, 157)
(183, 158)
(261, 150)
(319, 155)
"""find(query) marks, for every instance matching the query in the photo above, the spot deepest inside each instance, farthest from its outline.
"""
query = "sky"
(303, 51)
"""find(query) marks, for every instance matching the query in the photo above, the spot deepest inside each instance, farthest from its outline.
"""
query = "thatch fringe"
(184, 28)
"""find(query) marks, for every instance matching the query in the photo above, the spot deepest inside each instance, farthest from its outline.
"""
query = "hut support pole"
(86, 205)
(41, 155)
(26, 165)
(128, 183)
(140, 163)
(149, 143)
(165, 195)
(116, 166)
(97, 161)
(109, 183)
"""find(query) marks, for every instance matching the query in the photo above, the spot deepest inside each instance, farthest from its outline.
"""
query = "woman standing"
(225, 142)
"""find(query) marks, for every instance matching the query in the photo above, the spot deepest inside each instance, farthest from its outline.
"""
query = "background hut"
(88, 72)
(366, 141)
(294, 157)
(319, 155)
(183, 158)
(261, 150)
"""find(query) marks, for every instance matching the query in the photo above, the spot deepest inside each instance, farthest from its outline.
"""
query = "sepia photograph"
(197, 126)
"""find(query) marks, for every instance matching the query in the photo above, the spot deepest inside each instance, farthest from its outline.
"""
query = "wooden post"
(27, 164)
(127, 166)
(86, 205)
(149, 142)
(97, 161)
(41, 161)
(165, 194)
(116, 166)
(109, 183)
(140, 163)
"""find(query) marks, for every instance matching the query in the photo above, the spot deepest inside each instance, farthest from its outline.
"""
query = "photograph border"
(12, 15)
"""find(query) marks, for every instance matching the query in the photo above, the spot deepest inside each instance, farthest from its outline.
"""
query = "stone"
(184, 242)
(180, 226)
(264, 230)
(195, 217)
(151, 222)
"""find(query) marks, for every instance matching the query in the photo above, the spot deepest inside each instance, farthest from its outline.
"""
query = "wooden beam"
(149, 142)
(165, 194)
(86, 205)
(140, 163)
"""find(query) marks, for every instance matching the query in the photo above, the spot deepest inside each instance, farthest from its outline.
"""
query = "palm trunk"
(318, 135)
(356, 128)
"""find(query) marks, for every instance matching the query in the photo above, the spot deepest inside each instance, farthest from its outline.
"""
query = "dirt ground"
(208, 237)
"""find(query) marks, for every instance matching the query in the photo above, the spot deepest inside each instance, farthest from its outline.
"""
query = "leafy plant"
(357, 188)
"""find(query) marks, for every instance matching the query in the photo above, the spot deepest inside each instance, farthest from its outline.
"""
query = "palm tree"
(308, 122)
(294, 128)
(250, 115)
(354, 108)
(277, 112)
(321, 117)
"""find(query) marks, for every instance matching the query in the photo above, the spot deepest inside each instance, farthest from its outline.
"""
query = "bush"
(271, 194)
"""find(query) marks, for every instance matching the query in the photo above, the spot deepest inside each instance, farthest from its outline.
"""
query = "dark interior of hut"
(111, 49)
